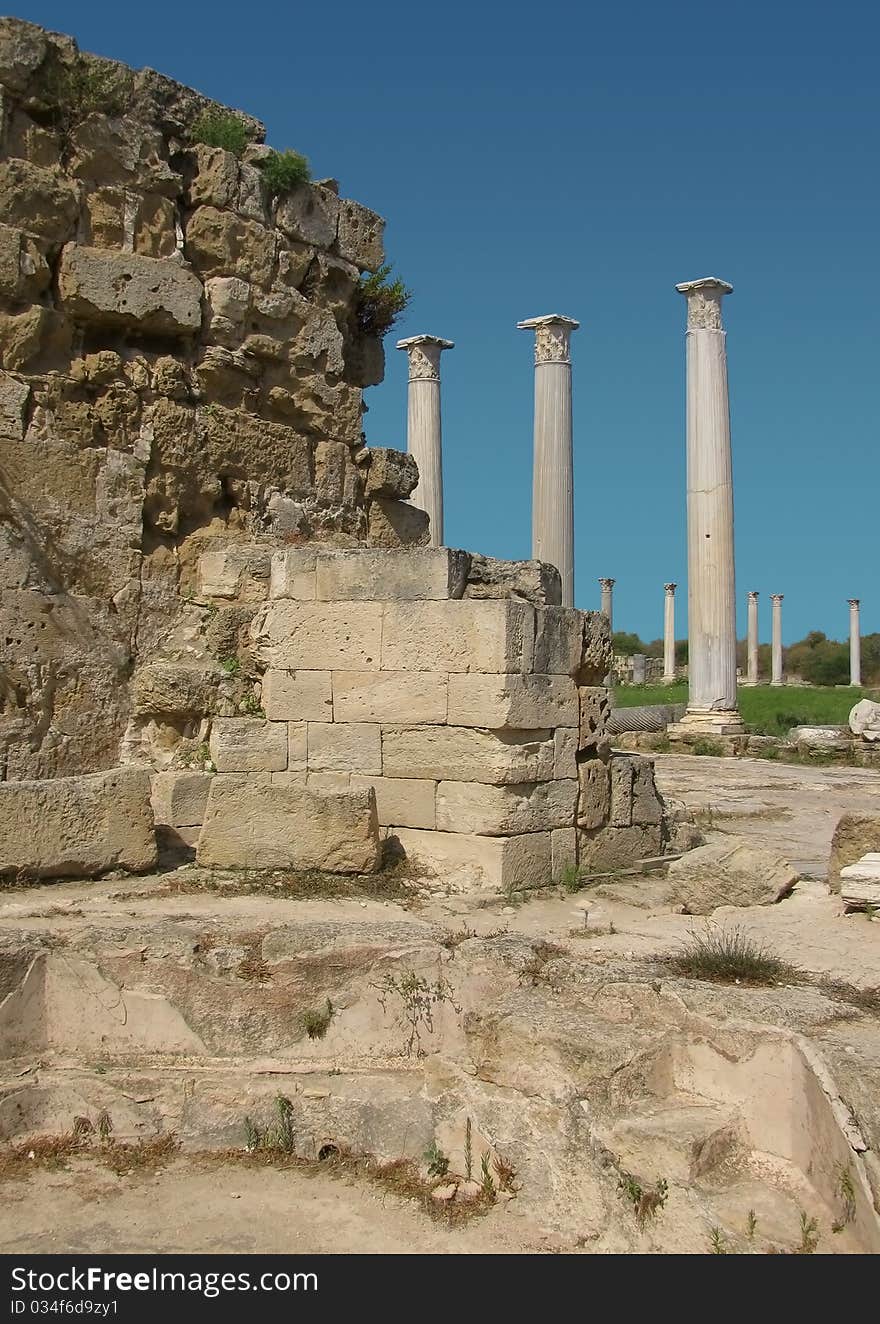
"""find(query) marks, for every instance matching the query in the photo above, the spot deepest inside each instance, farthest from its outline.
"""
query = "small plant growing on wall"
(82, 88)
(220, 128)
(284, 171)
(380, 302)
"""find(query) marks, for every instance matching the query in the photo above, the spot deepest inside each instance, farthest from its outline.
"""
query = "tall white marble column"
(553, 465)
(712, 699)
(424, 437)
(607, 607)
(855, 643)
(776, 677)
(752, 641)
(669, 634)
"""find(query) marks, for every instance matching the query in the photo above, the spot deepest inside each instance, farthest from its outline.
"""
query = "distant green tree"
(818, 660)
(627, 644)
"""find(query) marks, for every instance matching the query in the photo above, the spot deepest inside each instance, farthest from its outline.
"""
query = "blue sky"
(582, 159)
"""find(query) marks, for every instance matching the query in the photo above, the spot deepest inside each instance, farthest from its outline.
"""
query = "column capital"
(424, 356)
(607, 583)
(552, 336)
(753, 595)
(704, 302)
(776, 597)
(670, 588)
(853, 602)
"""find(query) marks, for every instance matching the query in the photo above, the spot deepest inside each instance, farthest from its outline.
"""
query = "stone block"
(463, 860)
(565, 740)
(402, 801)
(24, 271)
(559, 641)
(174, 687)
(38, 199)
(345, 747)
(733, 872)
(647, 803)
(179, 798)
(390, 473)
(104, 287)
(248, 744)
(77, 827)
(359, 238)
(298, 696)
(594, 800)
(310, 214)
(319, 636)
(610, 848)
(405, 576)
(458, 636)
(13, 402)
(390, 696)
(532, 581)
(293, 575)
(252, 824)
(595, 709)
(392, 523)
(563, 852)
(621, 774)
(467, 754)
(297, 746)
(328, 783)
(235, 572)
(854, 836)
(498, 811)
(512, 701)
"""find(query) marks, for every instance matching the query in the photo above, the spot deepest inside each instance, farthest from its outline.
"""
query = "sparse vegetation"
(809, 1236)
(221, 128)
(85, 87)
(706, 746)
(380, 302)
(418, 998)
(231, 665)
(437, 1162)
(316, 1021)
(468, 1150)
(278, 1136)
(717, 1242)
(847, 1192)
(121, 1157)
(284, 171)
(729, 956)
(535, 969)
(570, 878)
(646, 1202)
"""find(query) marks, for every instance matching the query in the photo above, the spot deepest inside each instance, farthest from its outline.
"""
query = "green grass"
(729, 956)
(766, 710)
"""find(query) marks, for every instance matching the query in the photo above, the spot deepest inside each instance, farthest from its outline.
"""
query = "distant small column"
(607, 607)
(640, 668)
(776, 640)
(424, 439)
(855, 643)
(752, 644)
(553, 463)
(669, 634)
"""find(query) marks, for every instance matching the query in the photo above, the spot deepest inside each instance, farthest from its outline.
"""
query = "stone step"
(673, 1139)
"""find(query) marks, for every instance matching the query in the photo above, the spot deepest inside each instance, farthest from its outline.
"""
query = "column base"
(708, 721)
(668, 680)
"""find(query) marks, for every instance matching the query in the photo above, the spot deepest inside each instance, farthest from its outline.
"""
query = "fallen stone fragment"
(729, 873)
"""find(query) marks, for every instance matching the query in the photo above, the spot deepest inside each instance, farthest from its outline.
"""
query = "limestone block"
(647, 803)
(854, 836)
(297, 747)
(121, 150)
(38, 199)
(333, 783)
(458, 636)
(109, 288)
(13, 402)
(345, 747)
(360, 235)
(512, 701)
(235, 572)
(72, 827)
(293, 574)
(174, 687)
(497, 811)
(179, 798)
(559, 641)
(621, 773)
(389, 696)
(594, 801)
(504, 863)
(298, 696)
(24, 271)
(864, 720)
(533, 581)
(405, 576)
(310, 214)
(390, 473)
(565, 740)
(248, 744)
(595, 709)
(319, 636)
(563, 851)
(392, 523)
(732, 872)
(401, 801)
(610, 848)
(252, 824)
(218, 243)
(466, 754)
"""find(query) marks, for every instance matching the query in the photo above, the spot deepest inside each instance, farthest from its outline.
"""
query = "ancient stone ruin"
(207, 576)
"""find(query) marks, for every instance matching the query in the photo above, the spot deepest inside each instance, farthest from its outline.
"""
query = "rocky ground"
(641, 1111)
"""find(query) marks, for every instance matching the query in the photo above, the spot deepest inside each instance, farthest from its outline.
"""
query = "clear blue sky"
(582, 159)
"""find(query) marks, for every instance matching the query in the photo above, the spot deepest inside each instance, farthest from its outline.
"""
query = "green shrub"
(380, 302)
(729, 956)
(85, 88)
(283, 171)
(221, 128)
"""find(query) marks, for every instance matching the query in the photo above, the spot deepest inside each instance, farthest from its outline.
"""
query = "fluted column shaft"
(669, 634)
(553, 463)
(855, 643)
(607, 606)
(712, 699)
(776, 677)
(424, 433)
(752, 644)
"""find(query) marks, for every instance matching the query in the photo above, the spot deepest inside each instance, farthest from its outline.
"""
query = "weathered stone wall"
(478, 721)
(180, 363)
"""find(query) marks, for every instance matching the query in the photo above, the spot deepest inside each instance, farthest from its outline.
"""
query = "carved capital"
(670, 589)
(854, 602)
(776, 597)
(552, 337)
(704, 302)
(753, 595)
(607, 584)
(424, 356)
